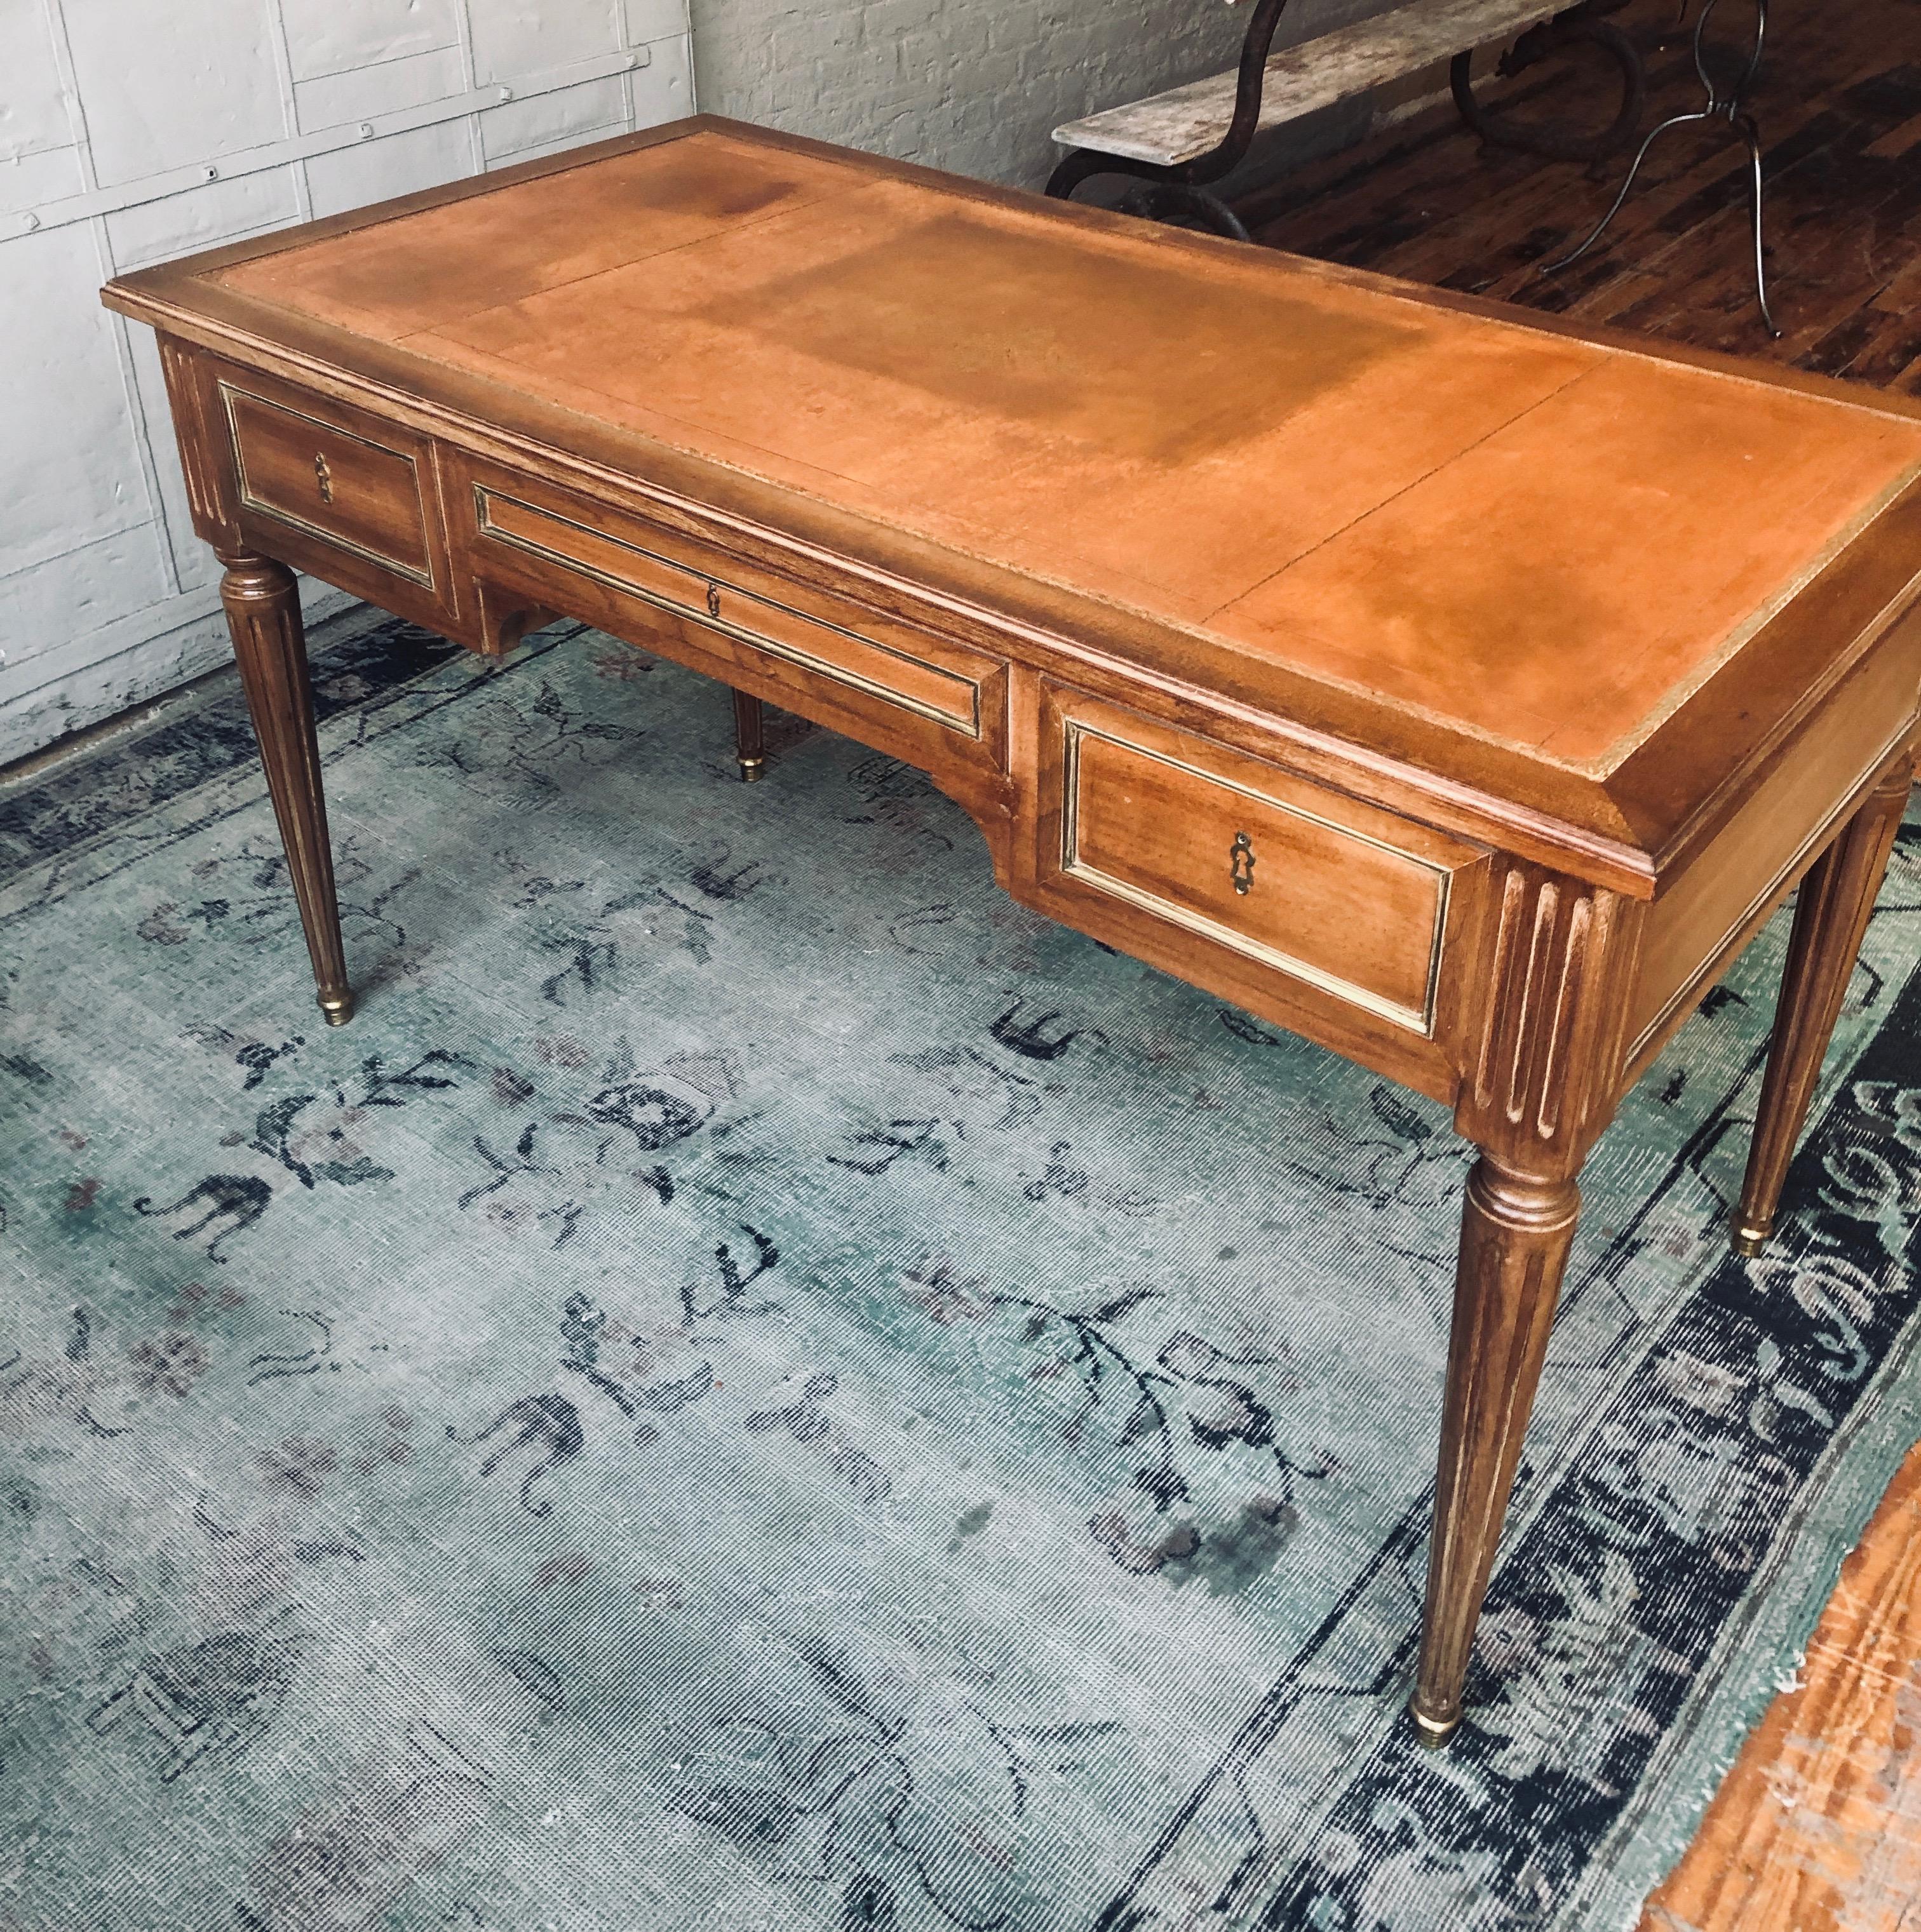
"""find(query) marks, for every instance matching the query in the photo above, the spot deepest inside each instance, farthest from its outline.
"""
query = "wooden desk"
(1461, 693)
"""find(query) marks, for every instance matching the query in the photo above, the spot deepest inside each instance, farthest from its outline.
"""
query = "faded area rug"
(759, 1385)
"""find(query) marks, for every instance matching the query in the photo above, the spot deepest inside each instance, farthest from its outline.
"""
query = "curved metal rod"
(1732, 99)
(1730, 108)
(1167, 201)
(1568, 29)
(1753, 134)
(1250, 77)
(1634, 168)
(1744, 85)
(1083, 164)
(1700, 50)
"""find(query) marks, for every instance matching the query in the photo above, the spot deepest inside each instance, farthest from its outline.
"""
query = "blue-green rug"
(759, 1385)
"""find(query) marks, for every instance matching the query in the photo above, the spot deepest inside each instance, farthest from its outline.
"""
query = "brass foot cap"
(1433, 1732)
(1749, 1237)
(337, 1008)
(752, 770)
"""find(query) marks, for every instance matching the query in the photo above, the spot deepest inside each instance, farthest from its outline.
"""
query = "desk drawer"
(858, 650)
(1347, 899)
(348, 479)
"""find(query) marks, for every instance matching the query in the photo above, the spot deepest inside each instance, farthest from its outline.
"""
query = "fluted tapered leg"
(1515, 1233)
(750, 743)
(1544, 1079)
(1830, 916)
(263, 614)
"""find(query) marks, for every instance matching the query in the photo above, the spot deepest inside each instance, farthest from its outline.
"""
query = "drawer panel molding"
(359, 494)
(683, 590)
(1334, 893)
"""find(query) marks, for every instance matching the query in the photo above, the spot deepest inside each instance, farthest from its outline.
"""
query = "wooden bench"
(1177, 141)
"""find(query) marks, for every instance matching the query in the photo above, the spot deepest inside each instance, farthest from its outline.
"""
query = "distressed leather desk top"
(1244, 444)
(1248, 449)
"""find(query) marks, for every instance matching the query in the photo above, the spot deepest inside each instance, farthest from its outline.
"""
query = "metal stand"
(1730, 108)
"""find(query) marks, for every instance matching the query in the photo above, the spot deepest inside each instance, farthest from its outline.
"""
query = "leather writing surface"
(1565, 582)
(1472, 519)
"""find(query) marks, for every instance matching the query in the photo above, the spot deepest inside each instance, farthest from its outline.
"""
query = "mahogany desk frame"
(1546, 961)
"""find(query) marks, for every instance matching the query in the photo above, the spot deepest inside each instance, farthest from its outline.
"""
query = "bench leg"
(1578, 25)
(1156, 196)
(1181, 205)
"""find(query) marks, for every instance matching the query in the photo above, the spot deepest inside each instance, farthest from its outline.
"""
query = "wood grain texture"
(894, 671)
(1610, 827)
(1547, 1064)
(353, 487)
(750, 738)
(828, 636)
(1817, 1828)
(1545, 1083)
(1309, 881)
(190, 399)
(1839, 106)
(1162, 918)
(375, 524)
(1516, 1231)
(1718, 898)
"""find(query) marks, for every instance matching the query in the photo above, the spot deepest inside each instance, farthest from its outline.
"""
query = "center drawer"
(1320, 887)
(858, 653)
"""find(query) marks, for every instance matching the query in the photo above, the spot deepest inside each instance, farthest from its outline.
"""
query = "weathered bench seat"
(1175, 142)
(1187, 122)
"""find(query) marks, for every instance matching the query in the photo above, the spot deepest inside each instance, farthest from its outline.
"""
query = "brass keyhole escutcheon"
(1240, 857)
(324, 477)
(713, 600)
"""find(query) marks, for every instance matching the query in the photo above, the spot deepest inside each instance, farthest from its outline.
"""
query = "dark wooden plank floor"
(1839, 105)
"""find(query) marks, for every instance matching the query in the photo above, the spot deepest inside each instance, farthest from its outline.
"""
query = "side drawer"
(357, 485)
(1342, 897)
(732, 613)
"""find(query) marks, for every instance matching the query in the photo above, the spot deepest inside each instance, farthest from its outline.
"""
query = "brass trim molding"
(966, 720)
(413, 572)
(1415, 1020)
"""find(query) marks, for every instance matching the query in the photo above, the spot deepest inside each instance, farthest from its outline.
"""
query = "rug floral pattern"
(759, 1383)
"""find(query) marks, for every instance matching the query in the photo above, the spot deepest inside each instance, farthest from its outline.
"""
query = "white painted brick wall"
(977, 86)
(129, 132)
